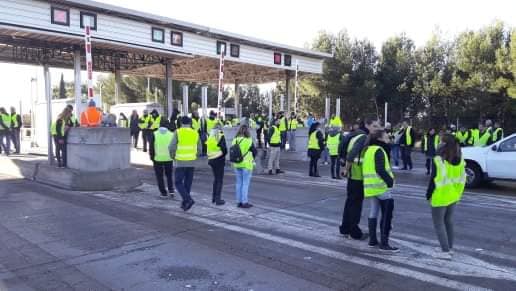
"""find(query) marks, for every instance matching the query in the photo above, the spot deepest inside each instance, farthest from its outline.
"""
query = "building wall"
(37, 15)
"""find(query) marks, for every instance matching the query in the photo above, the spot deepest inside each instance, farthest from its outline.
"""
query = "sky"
(295, 23)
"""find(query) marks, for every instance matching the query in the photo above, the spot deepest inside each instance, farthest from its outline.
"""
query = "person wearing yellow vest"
(282, 126)
(333, 139)
(59, 130)
(351, 148)
(16, 123)
(407, 141)
(463, 136)
(497, 133)
(217, 151)
(335, 121)
(184, 149)
(292, 128)
(483, 137)
(212, 121)
(155, 121)
(378, 183)
(72, 121)
(445, 189)
(244, 169)
(145, 124)
(315, 147)
(5, 131)
(429, 147)
(274, 148)
(159, 153)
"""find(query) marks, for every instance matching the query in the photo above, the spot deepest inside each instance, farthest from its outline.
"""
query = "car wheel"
(473, 175)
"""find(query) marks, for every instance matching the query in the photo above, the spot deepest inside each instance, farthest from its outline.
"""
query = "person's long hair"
(450, 148)
(243, 131)
(65, 114)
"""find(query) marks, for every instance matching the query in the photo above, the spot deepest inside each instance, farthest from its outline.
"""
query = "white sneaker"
(442, 255)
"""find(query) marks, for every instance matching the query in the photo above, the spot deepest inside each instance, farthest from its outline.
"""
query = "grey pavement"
(52, 239)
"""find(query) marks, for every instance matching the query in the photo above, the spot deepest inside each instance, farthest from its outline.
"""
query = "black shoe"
(246, 205)
(388, 248)
(220, 202)
(270, 172)
(239, 205)
(403, 169)
(364, 236)
(339, 178)
(317, 176)
(186, 206)
(333, 177)
(278, 171)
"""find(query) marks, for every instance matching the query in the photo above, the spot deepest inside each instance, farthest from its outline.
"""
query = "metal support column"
(204, 101)
(168, 81)
(48, 98)
(282, 103)
(327, 109)
(287, 92)
(117, 80)
(270, 105)
(185, 100)
(337, 107)
(237, 100)
(77, 80)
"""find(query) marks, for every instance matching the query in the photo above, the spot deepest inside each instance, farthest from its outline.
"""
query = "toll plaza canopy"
(132, 42)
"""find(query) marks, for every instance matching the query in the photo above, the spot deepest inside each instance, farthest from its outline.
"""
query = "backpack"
(235, 153)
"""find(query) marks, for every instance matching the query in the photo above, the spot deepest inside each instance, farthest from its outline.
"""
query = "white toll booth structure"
(51, 33)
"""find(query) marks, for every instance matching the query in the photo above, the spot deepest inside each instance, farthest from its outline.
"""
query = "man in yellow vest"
(463, 135)
(217, 151)
(429, 147)
(407, 141)
(333, 138)
(497, 133)
(16, 123)
(155, 121)
(483, 137)
(335, 121)
(282, 126)
(159, 145)
(212, 121)
(292, 128)
(184, 149)
(378, 182)
(274, 148)
(145, 123)
(5, 131)
(351, 148)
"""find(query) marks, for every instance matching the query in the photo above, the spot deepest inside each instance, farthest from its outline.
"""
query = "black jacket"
(359, 145)
(133, 123)
(379, 161)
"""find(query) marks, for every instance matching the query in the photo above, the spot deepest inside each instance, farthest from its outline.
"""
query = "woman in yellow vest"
(244, 169)
(333, 139)
(217, 151)
(315, 148)
(160, 156)
(429, 147)
(446, 186)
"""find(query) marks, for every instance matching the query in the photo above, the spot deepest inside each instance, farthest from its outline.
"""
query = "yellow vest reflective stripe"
(6, 118)
(333, 144)
(373, 183)
(356, 165)
(475, 137)
(155, 122)
(497, 134)
(408, 136)
(212, 145)
(283, 124)
(293, 124)
(425, 142)
(276, 136)
(449, 182)
(187, 140)
(14, 120)
(313, 142)
(245, 144)
(161, 146)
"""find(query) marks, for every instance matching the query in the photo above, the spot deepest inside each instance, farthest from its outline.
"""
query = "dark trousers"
(335, 167)
(5, 141)
(353, 209)
(259, 137)
(313, 165)
(146, 138)
(134, 136)
(184, 179)
(428, 164)
(60, 152)
(159, 169)
(15, 136)
(406, 157)
(283, 136)
(217, 167)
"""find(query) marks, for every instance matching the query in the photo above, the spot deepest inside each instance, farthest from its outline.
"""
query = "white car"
(494, 162)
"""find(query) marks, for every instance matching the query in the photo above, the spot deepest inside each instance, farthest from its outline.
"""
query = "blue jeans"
(184, 179)
(375, 203)
(243, 179)
(395, 153)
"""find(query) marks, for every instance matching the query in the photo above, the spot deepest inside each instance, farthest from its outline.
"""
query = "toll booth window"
(277, 58)
(158, 35)
(89, 19)
(221, 46)
(235, 50)
(176, 38)
(288, 60)
(60, 16)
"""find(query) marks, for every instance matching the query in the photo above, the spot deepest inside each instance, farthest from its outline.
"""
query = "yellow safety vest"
(449, 182)
(497, 134)
(313, 142)
(196, 125)
(336, 122)
(245, 144)
(293, 124)
(474, 139)
(212, 145)
(6, 118)
(276, 136)
(187, 140)
(210, 123)
(408, 136)
(155, 122)
(356, 165)
(144, 122)
(14, 120)
(161, 146)
(283, 124)
(462, 136)
(374, 185)
(425, 142)
(333, 144)
(53, 128)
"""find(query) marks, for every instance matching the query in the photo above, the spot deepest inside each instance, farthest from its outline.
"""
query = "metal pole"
(117, 84)
(327, 109)
(287, 91)
(295, 88)
(48, 97)
(237, 100)
(32, 129)
(168, 72)
(204, 101)
(185, 100)
(282, 101)
(337, 107)
(270, 105)
(221, 79)
(386, 112)
(77, 80)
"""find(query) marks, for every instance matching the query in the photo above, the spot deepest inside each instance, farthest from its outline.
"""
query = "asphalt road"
(53, 239)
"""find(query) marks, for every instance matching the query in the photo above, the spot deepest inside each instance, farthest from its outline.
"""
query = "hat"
(186, 120)
(91, 103)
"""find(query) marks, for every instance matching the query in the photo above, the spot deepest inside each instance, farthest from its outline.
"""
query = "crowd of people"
(10, 131)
